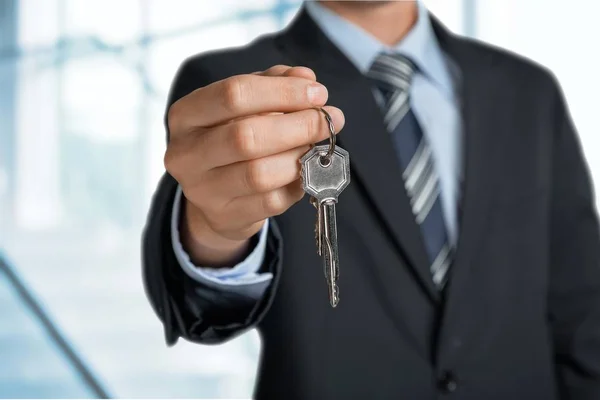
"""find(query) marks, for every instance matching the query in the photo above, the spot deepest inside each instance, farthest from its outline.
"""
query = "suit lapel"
(374, 163)
(482, 117)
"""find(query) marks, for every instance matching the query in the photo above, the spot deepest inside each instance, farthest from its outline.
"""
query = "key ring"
(326, 159)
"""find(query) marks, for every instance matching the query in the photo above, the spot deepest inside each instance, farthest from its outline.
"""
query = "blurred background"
(83, 86)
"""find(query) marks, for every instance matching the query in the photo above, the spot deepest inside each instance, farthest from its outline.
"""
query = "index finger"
(244, 95)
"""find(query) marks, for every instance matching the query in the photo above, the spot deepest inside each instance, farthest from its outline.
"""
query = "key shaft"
(331, 262)
(318, 226)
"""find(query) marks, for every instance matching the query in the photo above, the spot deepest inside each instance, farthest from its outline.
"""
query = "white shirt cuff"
(243, 274)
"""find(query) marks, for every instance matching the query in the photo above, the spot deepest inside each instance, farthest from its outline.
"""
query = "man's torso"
(391, 333)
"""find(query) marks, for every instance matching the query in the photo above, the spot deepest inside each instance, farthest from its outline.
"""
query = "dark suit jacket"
(520, 318)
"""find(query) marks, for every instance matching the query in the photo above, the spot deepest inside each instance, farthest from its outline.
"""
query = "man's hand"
(234, 148)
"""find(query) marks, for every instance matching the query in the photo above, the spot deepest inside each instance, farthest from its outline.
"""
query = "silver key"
(318, 225)
(331, 262)
(324, 178)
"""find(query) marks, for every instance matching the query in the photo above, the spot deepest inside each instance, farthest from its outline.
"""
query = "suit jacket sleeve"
(186, 307)
(574, 298)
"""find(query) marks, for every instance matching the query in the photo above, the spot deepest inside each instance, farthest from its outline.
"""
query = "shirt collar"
(361, 48)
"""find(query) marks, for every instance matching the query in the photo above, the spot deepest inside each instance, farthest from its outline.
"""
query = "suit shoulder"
(513, 68)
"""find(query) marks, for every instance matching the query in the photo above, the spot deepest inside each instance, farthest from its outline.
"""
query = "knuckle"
(182, 162)
(234, 93)
(257, 179)
(170, 160)
(273, 203)
(279, 67)
(244, 138)
(173, 116)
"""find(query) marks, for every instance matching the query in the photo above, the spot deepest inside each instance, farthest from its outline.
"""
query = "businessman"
(468, 239)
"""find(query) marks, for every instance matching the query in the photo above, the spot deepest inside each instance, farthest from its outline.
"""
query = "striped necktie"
(392, 74)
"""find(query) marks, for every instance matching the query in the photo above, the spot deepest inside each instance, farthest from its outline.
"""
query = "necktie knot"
(392, 72)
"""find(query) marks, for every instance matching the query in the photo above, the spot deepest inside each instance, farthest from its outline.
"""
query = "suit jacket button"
(448, 383)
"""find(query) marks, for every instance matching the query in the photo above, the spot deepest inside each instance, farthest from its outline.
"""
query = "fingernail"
(317, 94)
